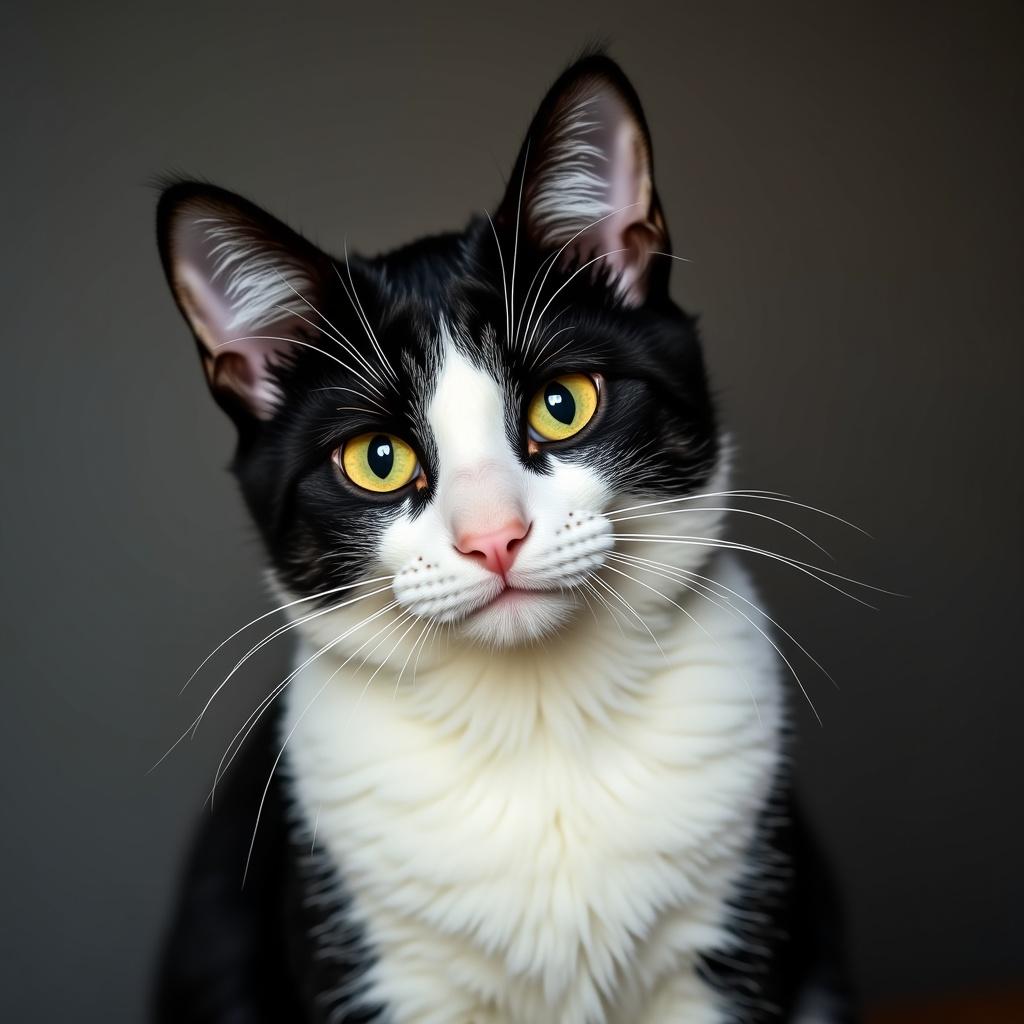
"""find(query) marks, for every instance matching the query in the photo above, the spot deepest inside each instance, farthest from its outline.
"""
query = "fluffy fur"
(557, 794)
(577, 819)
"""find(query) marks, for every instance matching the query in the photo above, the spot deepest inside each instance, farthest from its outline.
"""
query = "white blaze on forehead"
(480, 481)
(466, 414)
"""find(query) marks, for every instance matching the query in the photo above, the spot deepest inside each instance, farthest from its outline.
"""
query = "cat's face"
(456, 419)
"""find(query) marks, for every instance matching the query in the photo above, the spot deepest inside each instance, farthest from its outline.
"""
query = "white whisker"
(358, 394)
(764, 634)
(588, 583)
(566, 283)
(689, 615)
(277, 761)
(746, 493)
(814, 571)
(257, 713)
(280, 608)
(637, 560)
(304, 344)
(551, 337)
(267, 639)
(529, 291)
(408, 657)
(555, 258)
(671, 256)
(286, 627)
(432, 631)
(618, 597)
(738, 511)
(515, 245)
(504, 282)
(364, 319)
(346, 346)
(338, 336)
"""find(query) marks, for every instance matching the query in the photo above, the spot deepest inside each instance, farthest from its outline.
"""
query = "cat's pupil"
(558, 398)
(381, 456)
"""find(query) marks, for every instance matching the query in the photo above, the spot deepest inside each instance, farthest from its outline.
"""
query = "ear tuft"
(587, 177)
(595, 161)
(259, 284)
(245, 284)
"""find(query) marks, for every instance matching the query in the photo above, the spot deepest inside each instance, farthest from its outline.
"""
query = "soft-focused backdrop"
(847, 184)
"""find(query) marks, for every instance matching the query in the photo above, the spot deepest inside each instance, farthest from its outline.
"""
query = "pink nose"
(496, 550)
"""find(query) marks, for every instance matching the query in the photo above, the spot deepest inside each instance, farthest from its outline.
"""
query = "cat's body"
(527, 779)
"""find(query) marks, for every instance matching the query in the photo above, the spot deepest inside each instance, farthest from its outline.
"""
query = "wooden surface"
(987, 1009)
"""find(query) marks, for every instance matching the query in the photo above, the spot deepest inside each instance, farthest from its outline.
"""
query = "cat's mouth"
(511, 597)
(517, 614)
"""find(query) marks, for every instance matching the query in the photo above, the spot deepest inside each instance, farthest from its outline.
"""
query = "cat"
(532, 763)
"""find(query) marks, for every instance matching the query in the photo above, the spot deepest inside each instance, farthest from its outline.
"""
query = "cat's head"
(457, 418)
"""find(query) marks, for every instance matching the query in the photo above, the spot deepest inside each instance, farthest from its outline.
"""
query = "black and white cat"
(534, 763)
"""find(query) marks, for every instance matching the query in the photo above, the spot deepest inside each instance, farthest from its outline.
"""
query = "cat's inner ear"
(586, 178)
(245, 284)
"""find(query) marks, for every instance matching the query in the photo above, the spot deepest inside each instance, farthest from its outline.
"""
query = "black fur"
(265, 952)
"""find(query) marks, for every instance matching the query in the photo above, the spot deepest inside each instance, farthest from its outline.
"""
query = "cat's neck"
(502, 702)
(514, 782)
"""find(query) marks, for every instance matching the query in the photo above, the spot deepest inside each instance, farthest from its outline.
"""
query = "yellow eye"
(377, 462)
(563, 407)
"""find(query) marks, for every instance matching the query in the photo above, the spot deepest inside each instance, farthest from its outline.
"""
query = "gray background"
(847, 184)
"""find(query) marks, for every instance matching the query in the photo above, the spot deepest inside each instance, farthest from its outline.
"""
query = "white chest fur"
(546, 839)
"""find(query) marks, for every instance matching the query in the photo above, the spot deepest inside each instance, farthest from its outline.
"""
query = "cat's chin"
(517, 617)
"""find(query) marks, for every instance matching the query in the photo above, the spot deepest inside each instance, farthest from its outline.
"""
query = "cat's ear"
(586, 179)
(243, 281)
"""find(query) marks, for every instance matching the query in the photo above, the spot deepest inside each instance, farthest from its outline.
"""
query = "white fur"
(545, 834)
(575, 190)
(593, 189)
(481, 486)
(259, 284)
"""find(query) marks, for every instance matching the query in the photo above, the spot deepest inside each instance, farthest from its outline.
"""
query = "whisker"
(752, 494)
(794, 563)
(587, 582)
(738, 511)
(316, 825)
(515, 246)
(338, 337)
(671, 256)
(358, 394)
(529, 291)
(551, 338)
(691, 617)
(277, 761)
(689, 573)
(569, 281)
(299, 294)
(631, 610)
(431, 633)
(280, 608)
(778, 649)
(504, 282)
(558, 351)
(286, 627)
(540, 290)
(586, 601)
(304, 344)
(357, 304)
(255, 715)
(267, 639)
(405, 632)
(408, 657)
